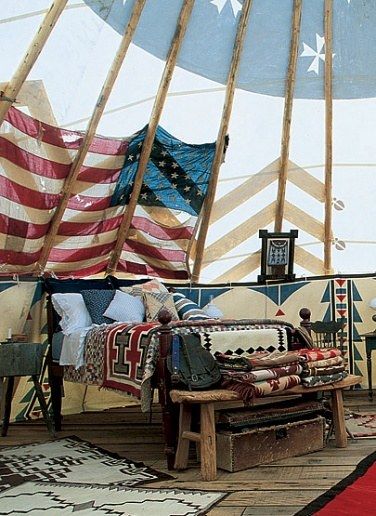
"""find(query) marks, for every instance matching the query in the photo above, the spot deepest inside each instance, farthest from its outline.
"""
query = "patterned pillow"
(139, 289)
(125, 308)
(97, 302)
(188, 310)
(155, 301)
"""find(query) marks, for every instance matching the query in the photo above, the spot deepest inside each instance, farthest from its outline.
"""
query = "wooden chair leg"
(339, 419)
(8, 405)
(43, 406)
(182, 451)
(208, 442)
(56, 387)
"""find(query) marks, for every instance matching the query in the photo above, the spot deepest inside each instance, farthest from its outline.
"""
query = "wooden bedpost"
(169, 412)
(55, 371)
(305, 314)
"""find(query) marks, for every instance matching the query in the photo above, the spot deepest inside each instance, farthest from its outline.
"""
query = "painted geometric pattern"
(298, 217)
(356, 320)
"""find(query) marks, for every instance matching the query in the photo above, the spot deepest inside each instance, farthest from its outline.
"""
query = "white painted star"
(130, 157)
(317, 54)
(174, 175)
(187, 188)
(174, 185)
(164, 153)
(220, 4)
(144, 196)
(161, 164)
(175, 165)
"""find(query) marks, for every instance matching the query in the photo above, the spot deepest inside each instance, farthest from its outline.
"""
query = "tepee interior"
(184, 142)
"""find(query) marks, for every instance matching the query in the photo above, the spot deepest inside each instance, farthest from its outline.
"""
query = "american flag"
(35, 161)
(172, 193)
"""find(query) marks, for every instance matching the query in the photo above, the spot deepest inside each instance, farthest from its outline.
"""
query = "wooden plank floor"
(281, 488)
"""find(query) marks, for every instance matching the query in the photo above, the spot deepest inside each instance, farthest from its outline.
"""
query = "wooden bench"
(212, 400)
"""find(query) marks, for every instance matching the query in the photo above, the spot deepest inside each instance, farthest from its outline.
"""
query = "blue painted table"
(22, 359)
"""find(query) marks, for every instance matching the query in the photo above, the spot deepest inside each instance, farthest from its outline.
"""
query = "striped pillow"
(188, 310)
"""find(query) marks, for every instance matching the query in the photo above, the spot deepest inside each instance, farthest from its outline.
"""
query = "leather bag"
(191, 366)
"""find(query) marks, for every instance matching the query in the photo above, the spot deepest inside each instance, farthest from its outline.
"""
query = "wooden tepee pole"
(14, 85)
(151, 130)
(223, 129)
(286, 128)
(90, 133)
(328, 33)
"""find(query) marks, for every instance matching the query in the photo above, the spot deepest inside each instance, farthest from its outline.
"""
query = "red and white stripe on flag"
(35, 161)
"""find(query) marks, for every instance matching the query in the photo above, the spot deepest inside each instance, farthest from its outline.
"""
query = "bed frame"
(170, 411)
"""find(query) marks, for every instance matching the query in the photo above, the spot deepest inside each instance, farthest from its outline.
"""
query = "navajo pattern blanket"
(244, 341)
(123, 357)
(111, 362)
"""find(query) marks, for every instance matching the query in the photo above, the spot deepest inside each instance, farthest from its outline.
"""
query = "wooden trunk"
(269, 415)
(242, 450)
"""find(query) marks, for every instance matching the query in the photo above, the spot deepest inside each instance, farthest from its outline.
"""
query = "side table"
(370, 340)
(22, 359)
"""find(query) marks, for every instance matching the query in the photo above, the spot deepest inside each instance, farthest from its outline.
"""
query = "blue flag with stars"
(176, 177)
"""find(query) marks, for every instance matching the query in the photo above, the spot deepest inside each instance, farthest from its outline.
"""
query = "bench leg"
(339, 419)
(208, 442)
(182, 451)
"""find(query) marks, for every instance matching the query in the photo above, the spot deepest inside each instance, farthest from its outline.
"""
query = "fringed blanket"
(116, 357)
(249, 391)
(260, 360)
(275, 359)
(259, 375)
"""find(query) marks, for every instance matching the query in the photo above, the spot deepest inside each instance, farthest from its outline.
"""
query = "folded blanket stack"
(259, 374)
(322, 366)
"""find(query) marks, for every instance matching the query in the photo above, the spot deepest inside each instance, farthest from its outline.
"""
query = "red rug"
(355, 495)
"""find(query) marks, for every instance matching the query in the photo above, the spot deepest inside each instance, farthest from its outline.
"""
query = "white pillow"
(125, 308)
(73, 312)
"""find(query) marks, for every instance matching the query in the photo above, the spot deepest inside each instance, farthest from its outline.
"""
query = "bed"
(129, 356)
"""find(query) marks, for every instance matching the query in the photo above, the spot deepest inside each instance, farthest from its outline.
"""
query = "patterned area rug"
(361, 424)
(69, 475)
